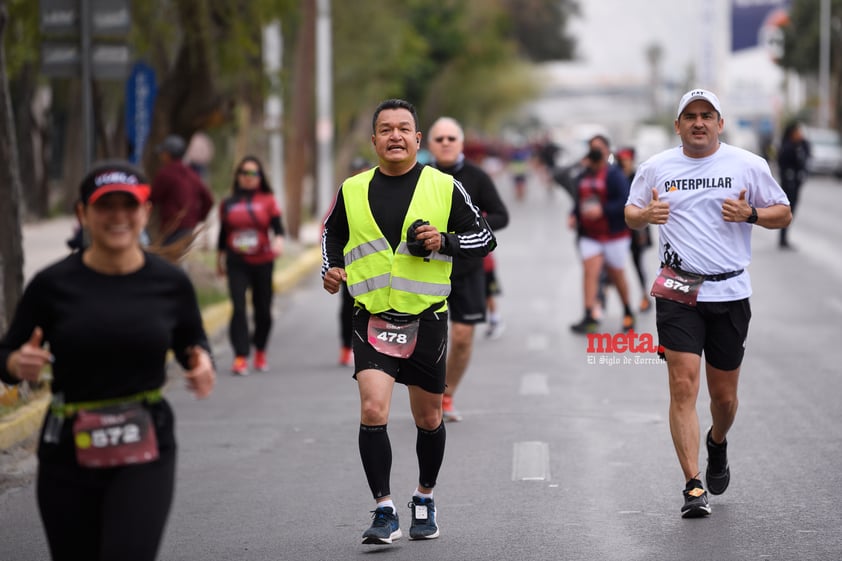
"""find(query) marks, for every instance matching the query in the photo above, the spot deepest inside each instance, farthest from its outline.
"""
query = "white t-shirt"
(696, 238)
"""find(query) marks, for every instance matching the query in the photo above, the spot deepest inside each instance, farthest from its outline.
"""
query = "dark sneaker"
(587, 325)
(424, 525)
(718, 474)
(695, 500)
(384, 527)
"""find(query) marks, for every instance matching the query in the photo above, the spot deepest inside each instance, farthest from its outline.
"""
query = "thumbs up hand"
(657, 211)
(27, 362)
(736, 210)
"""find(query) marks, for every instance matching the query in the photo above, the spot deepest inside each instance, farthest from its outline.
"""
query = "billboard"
(757, 23)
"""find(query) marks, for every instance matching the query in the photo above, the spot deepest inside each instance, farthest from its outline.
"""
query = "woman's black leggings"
(113, 514)
(241, 277)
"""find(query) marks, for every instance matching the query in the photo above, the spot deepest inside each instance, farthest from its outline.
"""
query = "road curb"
(23, 422)
(26, 420)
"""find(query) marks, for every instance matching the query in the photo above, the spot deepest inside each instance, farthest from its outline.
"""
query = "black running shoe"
(424, 525)
(718, 474)
(587, 325)
(384, 527)
(695, 500)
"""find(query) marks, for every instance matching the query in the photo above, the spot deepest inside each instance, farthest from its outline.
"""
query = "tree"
(538, 26)
(21, 43)
(11, 243)
(458, 57)
(801, 46)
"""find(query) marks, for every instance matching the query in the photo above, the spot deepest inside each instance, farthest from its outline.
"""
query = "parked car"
(825, 151)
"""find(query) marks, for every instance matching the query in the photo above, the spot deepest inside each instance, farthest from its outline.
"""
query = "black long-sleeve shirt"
(485, 197)
(109, 334)
(468, 234)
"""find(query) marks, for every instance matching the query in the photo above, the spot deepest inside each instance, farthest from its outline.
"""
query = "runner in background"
(467, 301)
(640, 239)
(492, 290)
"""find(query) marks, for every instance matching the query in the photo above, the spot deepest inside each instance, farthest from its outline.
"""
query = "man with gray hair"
(467, 300)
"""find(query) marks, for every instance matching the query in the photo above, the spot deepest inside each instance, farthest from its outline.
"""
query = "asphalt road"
(561, 456)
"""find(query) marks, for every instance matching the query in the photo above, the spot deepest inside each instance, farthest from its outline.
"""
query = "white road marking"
(534, 383)
(531, 461)
(537, 342)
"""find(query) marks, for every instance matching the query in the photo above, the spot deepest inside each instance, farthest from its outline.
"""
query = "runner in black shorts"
(704, 196)
(425, 368)
(391, 238)
(467, 297)
(718, 329)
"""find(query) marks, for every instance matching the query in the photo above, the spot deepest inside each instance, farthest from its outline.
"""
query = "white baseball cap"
(697, 94)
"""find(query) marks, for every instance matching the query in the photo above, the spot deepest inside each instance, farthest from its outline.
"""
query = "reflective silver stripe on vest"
(369, 285)
(435, 256)
(367, 248)
(417, 287)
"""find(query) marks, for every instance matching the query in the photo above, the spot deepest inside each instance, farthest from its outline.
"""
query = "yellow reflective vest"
(382, 279)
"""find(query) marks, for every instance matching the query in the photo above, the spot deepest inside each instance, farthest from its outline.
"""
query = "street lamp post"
(824, 64)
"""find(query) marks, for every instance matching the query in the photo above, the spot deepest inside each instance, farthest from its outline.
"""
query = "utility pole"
(824, 64)
(273, 46)
(89, 136)
(324, 108)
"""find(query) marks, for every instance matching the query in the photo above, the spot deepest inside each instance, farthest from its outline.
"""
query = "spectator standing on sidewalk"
(704, 196)
(467, 301)
(180, 200)
(391, 236)
(792, 165)
(251, 237)
(110, 313)
(603, 237)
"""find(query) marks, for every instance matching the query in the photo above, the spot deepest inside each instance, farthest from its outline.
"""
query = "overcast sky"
(613, 35)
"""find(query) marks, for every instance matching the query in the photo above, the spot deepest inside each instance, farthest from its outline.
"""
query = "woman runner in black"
(109, 314)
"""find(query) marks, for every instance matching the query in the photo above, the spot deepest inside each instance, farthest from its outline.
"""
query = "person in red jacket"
(251, 236)
(179, 197)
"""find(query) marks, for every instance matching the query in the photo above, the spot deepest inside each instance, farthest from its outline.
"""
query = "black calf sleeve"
(429, 446)
(376, 454)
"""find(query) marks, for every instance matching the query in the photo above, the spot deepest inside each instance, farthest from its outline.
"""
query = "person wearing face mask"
(251, 237)
(603, 237)
(105, 318)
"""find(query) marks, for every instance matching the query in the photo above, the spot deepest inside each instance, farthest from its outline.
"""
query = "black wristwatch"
(753, 218)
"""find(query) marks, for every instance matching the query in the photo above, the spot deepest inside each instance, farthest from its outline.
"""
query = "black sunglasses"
(449, 138)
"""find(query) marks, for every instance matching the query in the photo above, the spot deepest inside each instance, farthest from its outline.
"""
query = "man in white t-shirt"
(705, 196)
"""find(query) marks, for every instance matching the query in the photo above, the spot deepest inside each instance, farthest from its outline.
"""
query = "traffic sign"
(141, 90)
(63, 60)
(109, 18)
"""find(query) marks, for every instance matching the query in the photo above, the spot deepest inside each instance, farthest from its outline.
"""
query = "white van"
(825, 151)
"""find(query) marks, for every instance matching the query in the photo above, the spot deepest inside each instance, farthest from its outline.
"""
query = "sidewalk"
(44, 243)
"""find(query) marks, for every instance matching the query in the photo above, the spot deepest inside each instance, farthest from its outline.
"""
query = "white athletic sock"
(387, 503)
(418, 493)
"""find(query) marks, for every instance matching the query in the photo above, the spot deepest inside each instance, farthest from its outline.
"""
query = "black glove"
(415, 246)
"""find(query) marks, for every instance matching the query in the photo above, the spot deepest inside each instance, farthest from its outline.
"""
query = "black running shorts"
(425, 368)
(717, 328)
(466, 303)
